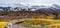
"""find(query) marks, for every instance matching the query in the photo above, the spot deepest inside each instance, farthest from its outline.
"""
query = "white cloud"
(30, 1)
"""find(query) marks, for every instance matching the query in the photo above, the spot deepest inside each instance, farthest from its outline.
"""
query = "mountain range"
(39, 8)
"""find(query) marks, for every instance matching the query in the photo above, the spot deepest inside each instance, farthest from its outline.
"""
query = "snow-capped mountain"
(27, 7)
(53, 9)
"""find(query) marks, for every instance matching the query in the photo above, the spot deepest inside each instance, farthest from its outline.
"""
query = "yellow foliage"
(3, 24)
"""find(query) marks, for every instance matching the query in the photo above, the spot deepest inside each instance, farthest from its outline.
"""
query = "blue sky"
(30, 1)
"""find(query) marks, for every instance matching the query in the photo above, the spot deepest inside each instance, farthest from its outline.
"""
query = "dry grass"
(36, 22)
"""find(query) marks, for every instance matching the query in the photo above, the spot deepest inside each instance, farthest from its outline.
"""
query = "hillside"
(25, 14)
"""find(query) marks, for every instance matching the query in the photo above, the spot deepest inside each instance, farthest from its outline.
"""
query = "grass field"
(35, 22)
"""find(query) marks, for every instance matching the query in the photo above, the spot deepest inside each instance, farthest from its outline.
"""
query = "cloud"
(30, 1)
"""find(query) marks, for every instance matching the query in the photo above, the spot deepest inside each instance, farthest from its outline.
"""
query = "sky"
(30, 1)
